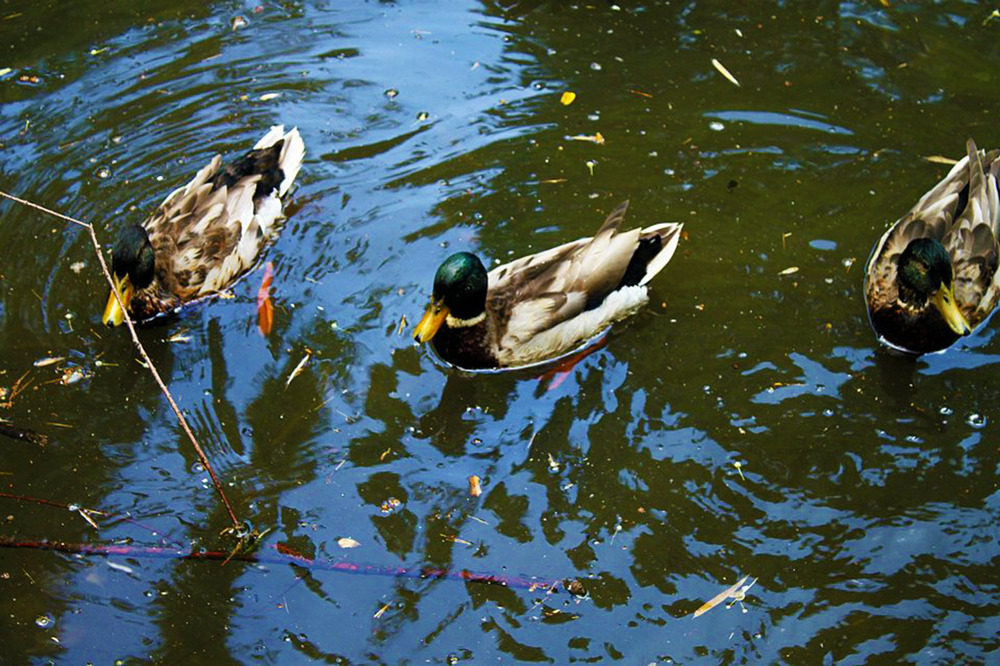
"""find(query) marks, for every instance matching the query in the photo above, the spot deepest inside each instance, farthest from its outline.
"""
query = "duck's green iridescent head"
(132, 263)
(924, 273)
(459, 291)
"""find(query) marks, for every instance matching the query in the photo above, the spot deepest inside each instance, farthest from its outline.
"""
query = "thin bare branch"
(142, 350)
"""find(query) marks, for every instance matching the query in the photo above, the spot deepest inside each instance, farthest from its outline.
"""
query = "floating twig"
(138, 344)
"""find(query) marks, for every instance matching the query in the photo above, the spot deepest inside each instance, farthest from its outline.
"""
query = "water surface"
(746, 423)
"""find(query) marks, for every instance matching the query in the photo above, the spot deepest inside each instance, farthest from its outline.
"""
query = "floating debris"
(48, 360)
(73, 375)
(725, 72)
(940, 159)
(269, 96)
(593, 138)
(475, 487)
(567, 98)
(348, 542)
(736, 592)
(789, 270)
(299, 368)
(390, 505)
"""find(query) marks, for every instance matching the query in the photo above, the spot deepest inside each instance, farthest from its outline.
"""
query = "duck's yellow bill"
(113, 313)
(944, 300)
(429, 324)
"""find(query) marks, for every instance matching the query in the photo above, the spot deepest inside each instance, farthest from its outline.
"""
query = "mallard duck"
(206, 234)
(932, 277)
(542, 306)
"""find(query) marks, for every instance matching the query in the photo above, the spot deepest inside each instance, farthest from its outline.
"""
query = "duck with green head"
(545, 305)
(206, 234)
(932, 277)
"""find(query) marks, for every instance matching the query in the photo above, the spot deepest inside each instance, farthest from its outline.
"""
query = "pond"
(745, 424)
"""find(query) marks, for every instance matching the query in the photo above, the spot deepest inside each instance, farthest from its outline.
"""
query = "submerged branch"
(8, 429)
(142, 350)
(278, 558)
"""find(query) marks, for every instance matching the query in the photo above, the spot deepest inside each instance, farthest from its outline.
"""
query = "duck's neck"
(455, 322)
(468, 345)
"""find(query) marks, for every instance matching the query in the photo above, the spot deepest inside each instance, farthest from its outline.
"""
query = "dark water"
(866, 499)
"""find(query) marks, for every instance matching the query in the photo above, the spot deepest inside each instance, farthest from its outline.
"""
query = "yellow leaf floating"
(789, 270)
(593, 138)
(567, 98)
(725, 72)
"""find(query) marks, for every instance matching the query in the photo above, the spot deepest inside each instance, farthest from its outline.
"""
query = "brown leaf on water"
(719, 598)
(475, 487)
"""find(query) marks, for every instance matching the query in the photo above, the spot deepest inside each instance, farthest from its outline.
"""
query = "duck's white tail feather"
(292, 154)
(670, 234)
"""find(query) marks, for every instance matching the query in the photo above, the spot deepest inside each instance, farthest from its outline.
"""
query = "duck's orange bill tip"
(945, 302)
(429, 324)
(113, 313)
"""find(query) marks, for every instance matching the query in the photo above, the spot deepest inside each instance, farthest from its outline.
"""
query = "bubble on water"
(976, 420)
(45, 621)
(827, 412)
(946, 411)
(197, 468)
(595, 66)
(716, 125)
(104, 173)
